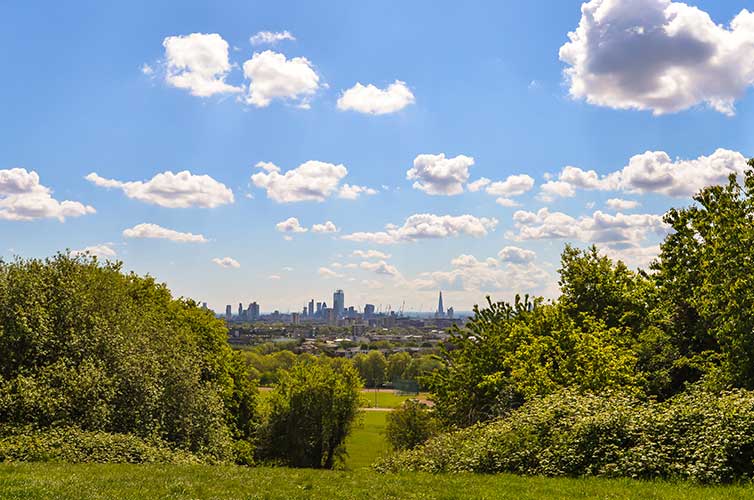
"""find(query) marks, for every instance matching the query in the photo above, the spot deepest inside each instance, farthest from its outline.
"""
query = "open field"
(367, 442)
(388, 399)
(31, 481)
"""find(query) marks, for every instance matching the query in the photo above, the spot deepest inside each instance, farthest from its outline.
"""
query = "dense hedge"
(700, 436)
(76, 446)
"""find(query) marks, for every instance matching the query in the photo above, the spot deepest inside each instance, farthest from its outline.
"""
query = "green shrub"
(697, 435)
(309, 413)
(409, 425)
(76, 446)
(84, 345)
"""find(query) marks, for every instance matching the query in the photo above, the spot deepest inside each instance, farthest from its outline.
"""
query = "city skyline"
(274, 151)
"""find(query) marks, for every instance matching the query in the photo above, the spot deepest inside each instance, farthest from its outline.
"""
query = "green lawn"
(31, 481)
(377, 399)
(367, 442)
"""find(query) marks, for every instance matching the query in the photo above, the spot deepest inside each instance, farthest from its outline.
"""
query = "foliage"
(84, 345)
(696, 435)
(409, 425)
(76, 446)
(310, 412)
(372, 368)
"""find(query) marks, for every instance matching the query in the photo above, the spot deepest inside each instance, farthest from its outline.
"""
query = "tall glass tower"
(339, 303)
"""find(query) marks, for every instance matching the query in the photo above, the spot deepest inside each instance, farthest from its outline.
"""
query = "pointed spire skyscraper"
(440, 309)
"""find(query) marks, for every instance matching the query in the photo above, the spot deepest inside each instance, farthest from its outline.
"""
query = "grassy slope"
(29, 481)
(367, 442)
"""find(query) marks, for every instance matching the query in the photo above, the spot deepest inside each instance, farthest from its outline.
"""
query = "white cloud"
(467, 273)
(146, 69)
(103, 251)
(380, 267)
(271, 37)
(621, 204)
(478, 184)
(656, 172)
(658, 55)
(618, 231)
(556, 189)
(198, 63)
(226, 262)
(272, 76)
(428, 226)
(328, 273)
(290, 225)
(375, 101)
(273, 277)
(370, 254)
(513, 185)
(516, 255)
(288, 269)
(24, 198)
(171, 190)
(327, 227)
(310, 181)
(158, 232)
(351, 192)
(437, 175)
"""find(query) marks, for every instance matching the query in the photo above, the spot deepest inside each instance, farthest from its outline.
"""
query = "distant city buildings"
(228, 312)
(339, 303)
(440, 313)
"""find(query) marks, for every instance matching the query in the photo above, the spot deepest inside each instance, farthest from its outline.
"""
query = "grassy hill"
(91, 481)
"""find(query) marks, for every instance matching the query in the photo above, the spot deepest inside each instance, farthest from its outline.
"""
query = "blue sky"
(127, 92)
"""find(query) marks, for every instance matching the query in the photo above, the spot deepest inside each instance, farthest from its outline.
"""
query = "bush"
(76, 446)
(697, 435)
(84, 345)
(409, 425)
(309, 413)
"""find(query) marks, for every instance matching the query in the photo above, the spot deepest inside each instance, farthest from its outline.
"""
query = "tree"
(372, 367)
(310, 412)
(409, 425)
(397, 364)
(84, 345)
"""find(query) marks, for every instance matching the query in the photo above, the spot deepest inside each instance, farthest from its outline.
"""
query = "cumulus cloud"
(470, 274)
(328, 273)
(658, 55)
(226, 262)
(351, 192)
(290, 225)
(478, 184)
(310, 181)
(103, 251)
(437, 175)
(617, 231)
(380, 267)
(271, 37)
(327, 227)
(370, 254)
(146, 230)
(428, 226)
(171, 190)
(24, 198)
(551, 190)
(198, 63)
(375, 101)
(655, 172)
(273, 277)
(273, 76)
(516, 255)
(621, 204)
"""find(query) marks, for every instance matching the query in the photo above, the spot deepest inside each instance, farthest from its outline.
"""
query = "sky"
(277, 151)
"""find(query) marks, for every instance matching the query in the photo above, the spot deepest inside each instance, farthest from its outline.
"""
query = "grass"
(385, 399)
(367, 442)
(97, 481)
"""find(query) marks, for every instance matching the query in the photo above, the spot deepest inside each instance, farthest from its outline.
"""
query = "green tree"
(310, 412)
(409, 425)
(84, 345)
(397, 364)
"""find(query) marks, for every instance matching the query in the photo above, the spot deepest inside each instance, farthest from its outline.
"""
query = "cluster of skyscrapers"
(320, 311)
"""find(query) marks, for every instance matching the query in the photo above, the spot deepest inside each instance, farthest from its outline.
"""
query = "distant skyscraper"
(311, 308)
(338, 303)
(295, 318)
(450, 313)
(240, 310)
(228, 312)
(319, 308)
(440, 309)
(253, 313)
(368, 311)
